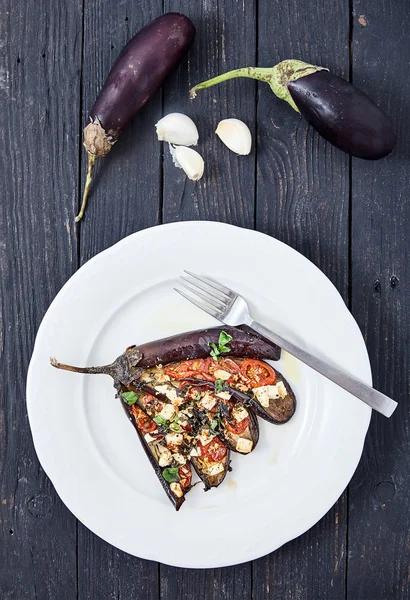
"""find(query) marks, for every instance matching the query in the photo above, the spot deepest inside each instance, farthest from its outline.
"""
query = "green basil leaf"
(175, 427)
(215, 350)
(224, 338)
(214, 424)
(220, 386)
(160, 420)
(130, 398)
(224, 349)
(170, 474)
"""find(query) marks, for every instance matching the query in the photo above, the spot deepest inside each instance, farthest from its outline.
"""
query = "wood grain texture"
(126, 197)
(39, 116)
(303, 199)
(226, 38)
(379, 512)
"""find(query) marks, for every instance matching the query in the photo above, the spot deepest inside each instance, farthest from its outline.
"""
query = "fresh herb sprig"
(129, 398)
(171, 474)
(222, 347)
(220, 386)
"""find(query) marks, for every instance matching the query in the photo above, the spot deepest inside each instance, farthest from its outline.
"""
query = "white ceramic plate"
(90, 450)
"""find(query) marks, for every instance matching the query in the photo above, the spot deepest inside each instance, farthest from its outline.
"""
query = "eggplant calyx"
(97, 143)
(287, 71)
(123, 370)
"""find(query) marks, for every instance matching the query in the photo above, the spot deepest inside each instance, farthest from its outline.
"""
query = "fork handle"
(378, 401)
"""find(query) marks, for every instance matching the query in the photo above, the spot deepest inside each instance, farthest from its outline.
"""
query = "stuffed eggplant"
(191, 404)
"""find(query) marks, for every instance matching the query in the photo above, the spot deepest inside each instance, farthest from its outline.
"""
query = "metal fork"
(230, 308)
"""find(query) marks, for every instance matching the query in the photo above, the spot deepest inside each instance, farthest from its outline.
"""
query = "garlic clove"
(177, 128)
(235, 134)
(189, 160)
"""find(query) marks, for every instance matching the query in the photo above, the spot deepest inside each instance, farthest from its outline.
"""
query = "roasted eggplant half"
(210, 458)
(172, 469)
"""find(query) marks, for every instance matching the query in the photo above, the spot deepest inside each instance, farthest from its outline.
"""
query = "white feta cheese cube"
(240, 413)
(174, 439)
(167, 412)
(165, 458)
(244, 445)
(208, 401)
(215, 469)
(221, 374)
(224, 395)
(176, 490)
(179, 458)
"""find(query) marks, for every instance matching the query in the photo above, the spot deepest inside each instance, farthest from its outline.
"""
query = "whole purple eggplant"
(140, 69)
(338, 110)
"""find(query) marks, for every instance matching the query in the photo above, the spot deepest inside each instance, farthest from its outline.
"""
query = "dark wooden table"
(350, 217)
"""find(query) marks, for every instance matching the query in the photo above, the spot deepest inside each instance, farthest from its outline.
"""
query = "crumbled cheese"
(179, 458)
(176, 490)
(240, 413)
(163, 377)
(265, 393)
(215, 469)
(208, 401)
(149, 438)
(244, 445)
(174, 439)
(194, 452)
(224, 395)
(165, 458)
(176, 402)
(204, 437)
(220, 374)
(167, 412)
(169, 392)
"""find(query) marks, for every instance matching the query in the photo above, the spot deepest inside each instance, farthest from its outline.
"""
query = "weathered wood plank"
(226, 38)
(126, 197)
(379, 507)
(303, 199)
(39, 123)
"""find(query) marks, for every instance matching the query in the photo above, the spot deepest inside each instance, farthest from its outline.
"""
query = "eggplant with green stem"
(344, 115)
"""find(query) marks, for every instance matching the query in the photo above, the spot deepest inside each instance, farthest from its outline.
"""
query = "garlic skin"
(188, 160)
(177, 128)
(235, 134)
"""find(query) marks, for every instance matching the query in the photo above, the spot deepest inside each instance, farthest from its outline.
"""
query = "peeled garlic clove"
(177, 128)
(189, 160)
(236, 135)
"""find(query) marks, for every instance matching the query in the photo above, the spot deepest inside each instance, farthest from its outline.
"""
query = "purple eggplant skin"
(140, 69)
(176, 502)
(195, 344)
(343, 115)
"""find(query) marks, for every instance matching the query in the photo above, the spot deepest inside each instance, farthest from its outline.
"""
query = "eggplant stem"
(277, 77)
(87, 187)
(104, 370)
(259, 73)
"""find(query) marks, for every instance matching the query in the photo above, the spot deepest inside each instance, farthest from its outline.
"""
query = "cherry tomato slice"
(258, 372)
(186, 369)
(144, 423)
(214, 451)
(237, 427)
(185, 476)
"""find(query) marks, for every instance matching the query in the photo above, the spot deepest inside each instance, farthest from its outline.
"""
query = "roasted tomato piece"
(189, 368)
(237, 427)
(258, 373)
(215, 451)
(185, 476)
(144, 423)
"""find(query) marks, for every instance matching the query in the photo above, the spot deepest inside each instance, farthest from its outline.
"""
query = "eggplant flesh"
(280, 410)
(177, 502)
(210, 481)
(343, 115)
